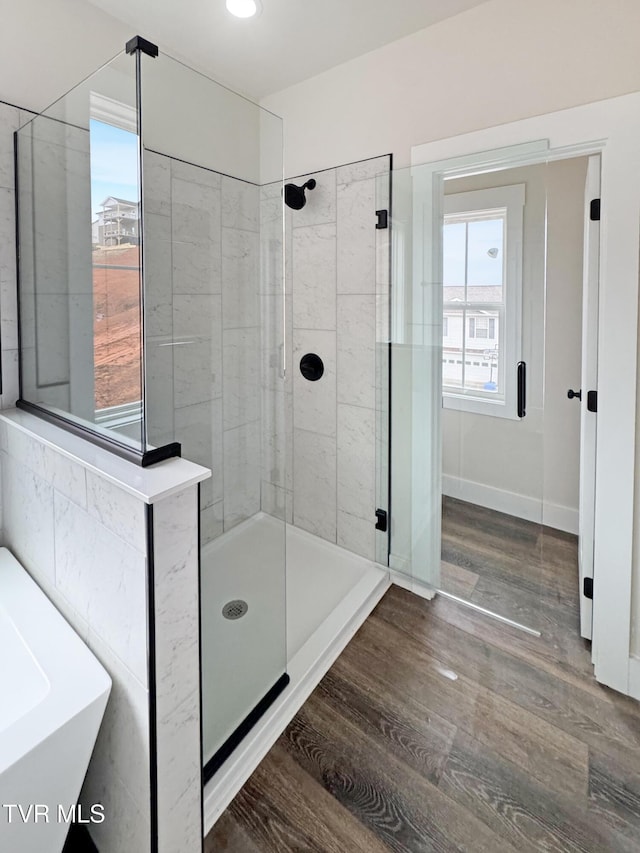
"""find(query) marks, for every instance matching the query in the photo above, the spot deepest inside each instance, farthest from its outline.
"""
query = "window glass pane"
(485, 260)
(452, 348)
(116, 272)
(454, 261)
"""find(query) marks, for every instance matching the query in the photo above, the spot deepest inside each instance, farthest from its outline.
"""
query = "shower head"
(294, 196)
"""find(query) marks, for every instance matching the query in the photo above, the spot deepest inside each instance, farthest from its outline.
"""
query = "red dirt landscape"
(116, 326)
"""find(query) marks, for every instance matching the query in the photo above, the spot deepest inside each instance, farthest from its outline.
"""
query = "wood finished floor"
(441, 729)
(507, 565)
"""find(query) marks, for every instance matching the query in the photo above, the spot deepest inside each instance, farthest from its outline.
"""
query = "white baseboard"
(634, 677)
(561, 517)
(521, 506)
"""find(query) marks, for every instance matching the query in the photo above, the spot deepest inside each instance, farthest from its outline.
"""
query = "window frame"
(475, 202)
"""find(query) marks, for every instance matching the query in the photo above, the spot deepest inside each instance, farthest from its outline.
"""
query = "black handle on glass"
(522, 389)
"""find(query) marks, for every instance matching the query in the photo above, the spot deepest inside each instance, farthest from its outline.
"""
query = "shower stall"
(156, 320)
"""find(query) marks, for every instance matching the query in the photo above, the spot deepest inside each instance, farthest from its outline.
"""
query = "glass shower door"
(468, 379)
(494, 275)
(213, 226)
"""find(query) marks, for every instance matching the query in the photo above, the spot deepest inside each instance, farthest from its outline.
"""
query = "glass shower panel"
(383, 366)
(214, 356)
(416, 322)
(79, 230)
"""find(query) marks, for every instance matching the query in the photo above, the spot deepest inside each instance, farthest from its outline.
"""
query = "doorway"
(513, 275)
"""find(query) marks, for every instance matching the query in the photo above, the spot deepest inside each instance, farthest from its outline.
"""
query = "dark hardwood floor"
(442, 729)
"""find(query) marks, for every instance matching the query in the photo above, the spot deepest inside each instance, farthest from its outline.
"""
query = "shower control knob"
(311, 367)
(571, 394)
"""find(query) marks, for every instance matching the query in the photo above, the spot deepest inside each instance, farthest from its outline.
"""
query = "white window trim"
(513, 199)
(109, 111)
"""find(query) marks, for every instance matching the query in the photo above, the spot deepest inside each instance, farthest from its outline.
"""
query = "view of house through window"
(473, 266)
(115, 237)
(482, 298)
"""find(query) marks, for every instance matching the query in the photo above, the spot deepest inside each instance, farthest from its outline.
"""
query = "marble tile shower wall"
(58, 312)
(204, 330)
(336, 304)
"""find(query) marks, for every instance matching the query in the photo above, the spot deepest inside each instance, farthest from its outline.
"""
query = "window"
(482, 283)
(482, 327)
(115, 209)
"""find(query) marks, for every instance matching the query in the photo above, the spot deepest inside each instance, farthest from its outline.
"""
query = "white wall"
(563, 333)
(532, 465)
(47, 48)
(504, 60)
(185, 115)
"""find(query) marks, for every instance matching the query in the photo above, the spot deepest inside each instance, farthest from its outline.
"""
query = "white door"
(588, 418)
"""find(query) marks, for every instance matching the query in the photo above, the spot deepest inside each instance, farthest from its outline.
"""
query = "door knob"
(571, 394)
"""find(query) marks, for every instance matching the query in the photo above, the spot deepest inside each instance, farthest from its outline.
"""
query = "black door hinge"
(383, 218)
(381, 523)
(587, 587)
(592, 401)
(594, 212)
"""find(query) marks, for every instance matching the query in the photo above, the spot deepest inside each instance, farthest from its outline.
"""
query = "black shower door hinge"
(381, 523)
(587, 587)
(383, 218)
(594, 211)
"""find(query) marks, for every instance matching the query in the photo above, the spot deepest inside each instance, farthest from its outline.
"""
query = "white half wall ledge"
(526, 507)
(147, 484)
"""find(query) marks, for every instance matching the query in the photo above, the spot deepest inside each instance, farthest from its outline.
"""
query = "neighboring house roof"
(119, 201)
(475, 293)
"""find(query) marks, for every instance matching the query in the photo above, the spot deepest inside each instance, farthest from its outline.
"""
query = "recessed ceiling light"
(243, 8)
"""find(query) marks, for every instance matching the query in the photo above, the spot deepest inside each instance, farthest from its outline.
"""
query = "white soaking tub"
(53, 693)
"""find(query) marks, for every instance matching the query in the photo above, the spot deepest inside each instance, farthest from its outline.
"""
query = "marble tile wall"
(57, 297)
(337, 291)
(175, 524)
(83, 540)
(205, 335)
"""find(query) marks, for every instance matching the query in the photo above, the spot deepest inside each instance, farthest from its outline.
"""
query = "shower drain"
(235, 609)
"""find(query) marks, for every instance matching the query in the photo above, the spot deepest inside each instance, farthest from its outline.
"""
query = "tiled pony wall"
(85, 542)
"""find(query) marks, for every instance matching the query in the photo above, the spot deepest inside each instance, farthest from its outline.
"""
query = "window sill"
(479, 406)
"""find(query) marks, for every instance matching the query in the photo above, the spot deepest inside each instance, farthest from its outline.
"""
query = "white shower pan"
(329, 594)
(53, 694)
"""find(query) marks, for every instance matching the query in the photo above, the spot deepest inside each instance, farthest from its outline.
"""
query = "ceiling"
(290, 41)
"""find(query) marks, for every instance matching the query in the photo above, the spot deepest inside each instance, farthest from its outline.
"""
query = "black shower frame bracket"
(143, 45)
(382, 219)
